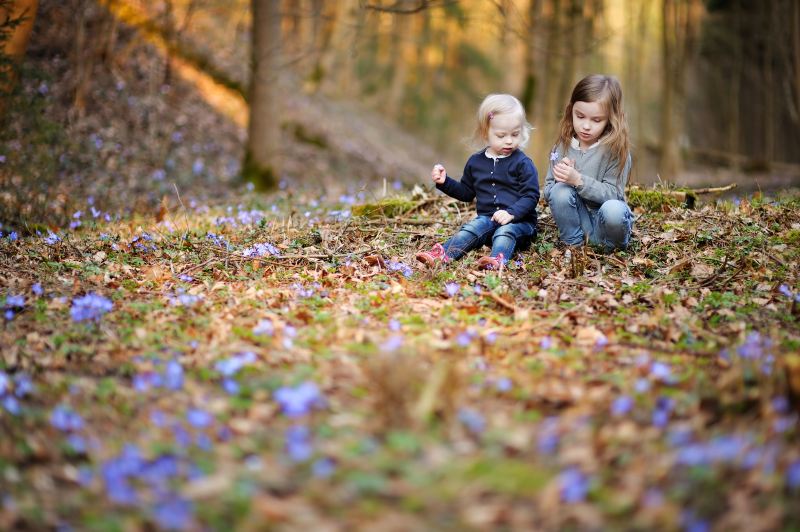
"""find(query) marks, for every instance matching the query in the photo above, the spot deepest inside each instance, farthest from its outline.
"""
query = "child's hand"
(565, 172)
(502, 217)
(438, 174)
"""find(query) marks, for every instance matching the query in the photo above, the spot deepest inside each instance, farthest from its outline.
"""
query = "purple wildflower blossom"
(264, 328)
(472, 419)
(323, 467)
(298, 443)
(65, 419)
(90, 307)
(173, 513)
(793, 475)
(393, 343)
(621, 405)
(574, 485)
(451, 289)
(199, 418)
(298, 400)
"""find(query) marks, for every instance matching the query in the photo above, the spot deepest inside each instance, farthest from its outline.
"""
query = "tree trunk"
(669, 143)
(530, 89)
(23, 14)
(403, 41)
(337, 61)
(262, 164)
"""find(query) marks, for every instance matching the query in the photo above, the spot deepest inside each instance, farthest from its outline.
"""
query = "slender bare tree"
(16, 21)
(262, 152)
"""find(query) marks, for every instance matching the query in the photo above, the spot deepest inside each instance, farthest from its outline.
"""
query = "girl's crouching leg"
(615, 224)
(563, 200)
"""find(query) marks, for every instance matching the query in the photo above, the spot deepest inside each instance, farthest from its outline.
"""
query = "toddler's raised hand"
(438, 174)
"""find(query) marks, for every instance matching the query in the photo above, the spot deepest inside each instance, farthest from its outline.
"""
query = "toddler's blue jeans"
(483, 231)
(609, 226)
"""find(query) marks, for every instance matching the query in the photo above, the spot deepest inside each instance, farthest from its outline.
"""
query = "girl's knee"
(561, 194)
(616, 212)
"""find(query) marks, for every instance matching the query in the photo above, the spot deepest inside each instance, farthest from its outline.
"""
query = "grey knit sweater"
(600, 170)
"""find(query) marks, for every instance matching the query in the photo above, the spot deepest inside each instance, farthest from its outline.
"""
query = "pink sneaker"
(436, 254)
(492, 263)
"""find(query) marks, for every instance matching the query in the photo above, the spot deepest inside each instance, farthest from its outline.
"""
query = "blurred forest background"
(382, 89)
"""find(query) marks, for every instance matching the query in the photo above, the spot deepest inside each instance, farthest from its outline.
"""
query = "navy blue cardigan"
(510, 183)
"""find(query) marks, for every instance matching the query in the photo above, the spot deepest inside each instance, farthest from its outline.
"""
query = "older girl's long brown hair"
(607, 91)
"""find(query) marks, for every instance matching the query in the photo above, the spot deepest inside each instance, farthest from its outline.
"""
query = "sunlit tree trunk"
(23, 14)
(554, 101)
(572, 33)
(403, 42)
(338, 59)
(796, 58)
(735, 83)
(678, 34)
(530, 83)
(262, 164)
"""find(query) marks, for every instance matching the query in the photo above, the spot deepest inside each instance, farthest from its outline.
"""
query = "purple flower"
(65, 419)
(546, 342)
(76, 443)
(464, 338)
(173, 375)
(642, 385)
(51, 239)
(264, 328)
(15, 302)
(260, 250)
(298, 443)
(472, 419)
(554, 156)
(231, 366)
(90, 307)
(37, 289)
(691, 523)
(4, 382)
(548, 436)
(394, 325)
(299, 400)
(23, 385)
(621, 405)
(503, 384)
(783, 289)
(661, 371)
(13, 236)
(199, 418)
(451, 289)
(393, 343)
(230, 386)
(11, 404)
(323, 467)
(574, 485)
(173, 513)
(793, 475)
(397, 266)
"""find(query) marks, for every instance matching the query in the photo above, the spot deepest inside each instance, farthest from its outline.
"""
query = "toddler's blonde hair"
(500, 104)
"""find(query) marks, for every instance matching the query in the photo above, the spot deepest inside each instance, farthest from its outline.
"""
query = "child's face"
(505, 134)
(589, 120)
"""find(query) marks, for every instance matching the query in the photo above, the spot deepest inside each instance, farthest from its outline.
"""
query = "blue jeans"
(483, 231)
(609, 226)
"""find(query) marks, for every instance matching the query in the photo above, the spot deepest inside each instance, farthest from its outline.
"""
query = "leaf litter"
(250, 366)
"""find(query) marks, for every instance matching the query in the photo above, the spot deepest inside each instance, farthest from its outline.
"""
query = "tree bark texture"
(23, 11)
(262, 164)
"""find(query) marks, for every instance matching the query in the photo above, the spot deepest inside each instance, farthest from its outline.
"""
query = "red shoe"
(492, 263)
(436, 254)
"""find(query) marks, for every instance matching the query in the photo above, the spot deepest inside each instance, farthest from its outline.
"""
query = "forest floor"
(284, 362)
(179, 352)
